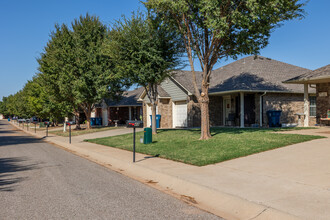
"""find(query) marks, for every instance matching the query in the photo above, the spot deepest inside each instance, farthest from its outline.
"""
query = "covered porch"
(237, 109)
(319, 79)
(120, 114)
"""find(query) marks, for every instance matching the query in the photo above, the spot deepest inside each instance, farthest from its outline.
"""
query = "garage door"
(180, 114)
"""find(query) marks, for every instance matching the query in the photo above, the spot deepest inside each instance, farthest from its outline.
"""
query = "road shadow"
(10, 166)
(16, 140)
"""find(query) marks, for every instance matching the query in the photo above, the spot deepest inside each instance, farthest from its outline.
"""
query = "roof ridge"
(258, 56)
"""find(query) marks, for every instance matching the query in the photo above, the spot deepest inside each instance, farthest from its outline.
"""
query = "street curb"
(219, 203)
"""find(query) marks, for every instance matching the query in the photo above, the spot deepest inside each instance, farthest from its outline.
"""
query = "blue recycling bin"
(93, 121)
(157, 120)
(98, 121)
(274, 118)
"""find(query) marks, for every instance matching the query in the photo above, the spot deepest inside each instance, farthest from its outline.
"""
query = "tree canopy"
(75, 67)
(213, 30)
(146, 50)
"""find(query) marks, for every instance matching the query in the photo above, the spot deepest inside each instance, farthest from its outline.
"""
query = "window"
(312, 105)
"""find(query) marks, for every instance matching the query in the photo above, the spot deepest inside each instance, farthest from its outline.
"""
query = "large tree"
(93, 70)
(146, 50)
(77, 70)
(56, 66)
(213, 30)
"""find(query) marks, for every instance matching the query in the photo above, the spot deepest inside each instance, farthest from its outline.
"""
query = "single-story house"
(118, 112)
(240, 95)
(319, 79)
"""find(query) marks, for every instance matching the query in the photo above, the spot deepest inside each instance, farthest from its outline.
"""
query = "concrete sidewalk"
(286, 183)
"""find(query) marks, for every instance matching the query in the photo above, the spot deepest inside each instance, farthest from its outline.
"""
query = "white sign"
(323, 94)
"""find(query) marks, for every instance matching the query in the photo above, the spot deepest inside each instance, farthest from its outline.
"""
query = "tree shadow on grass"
(222, 130)
(10, 166)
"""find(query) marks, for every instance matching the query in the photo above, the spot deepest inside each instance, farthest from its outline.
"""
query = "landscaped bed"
(81, 132)
(225, 144)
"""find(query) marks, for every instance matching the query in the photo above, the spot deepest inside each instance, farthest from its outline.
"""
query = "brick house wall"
(288, 103)
(216, 111)
(194, 112)
(165, 110)
(322, 102)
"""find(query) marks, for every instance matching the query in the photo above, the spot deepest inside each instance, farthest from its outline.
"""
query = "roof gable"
(318, 75)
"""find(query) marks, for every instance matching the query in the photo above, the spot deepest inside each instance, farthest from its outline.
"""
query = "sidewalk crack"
(258, 214)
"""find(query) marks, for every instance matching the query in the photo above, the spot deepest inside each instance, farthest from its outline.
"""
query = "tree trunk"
(153, 123)
(205, 116)
(76, 114)
(88, 118)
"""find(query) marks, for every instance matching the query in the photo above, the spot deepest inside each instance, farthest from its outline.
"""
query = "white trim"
(311, 80)
(227, 97)
(306, 106)
(173, 115)
(149, 112)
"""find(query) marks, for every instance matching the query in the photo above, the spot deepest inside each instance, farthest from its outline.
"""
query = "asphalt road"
(41, 181)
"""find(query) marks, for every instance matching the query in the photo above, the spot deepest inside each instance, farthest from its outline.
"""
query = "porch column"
(306, 106)
(242, 109)
(130, 113)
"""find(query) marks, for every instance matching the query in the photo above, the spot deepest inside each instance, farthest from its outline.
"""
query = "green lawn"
(226, 143)
(81, 132)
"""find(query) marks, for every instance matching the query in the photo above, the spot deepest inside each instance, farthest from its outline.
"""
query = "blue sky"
(26, 25)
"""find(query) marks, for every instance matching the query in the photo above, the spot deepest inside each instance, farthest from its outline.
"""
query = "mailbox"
(134, 124)
(70, 123)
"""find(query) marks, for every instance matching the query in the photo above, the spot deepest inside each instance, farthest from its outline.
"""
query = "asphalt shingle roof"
(323, 72)
(254, 73)
(129, 98)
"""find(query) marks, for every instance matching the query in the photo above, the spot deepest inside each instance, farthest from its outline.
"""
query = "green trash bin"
(147, 138)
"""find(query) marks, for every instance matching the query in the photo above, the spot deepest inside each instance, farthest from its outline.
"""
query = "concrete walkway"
(286, 183)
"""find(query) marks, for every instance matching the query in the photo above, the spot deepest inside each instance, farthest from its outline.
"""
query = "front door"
(249, 109)
(226, 107)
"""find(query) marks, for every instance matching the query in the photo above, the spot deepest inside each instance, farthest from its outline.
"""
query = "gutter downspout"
(261, 108)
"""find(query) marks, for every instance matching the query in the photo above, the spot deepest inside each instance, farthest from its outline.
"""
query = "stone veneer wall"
(165, 110)
(322, 103)
(288, 103)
